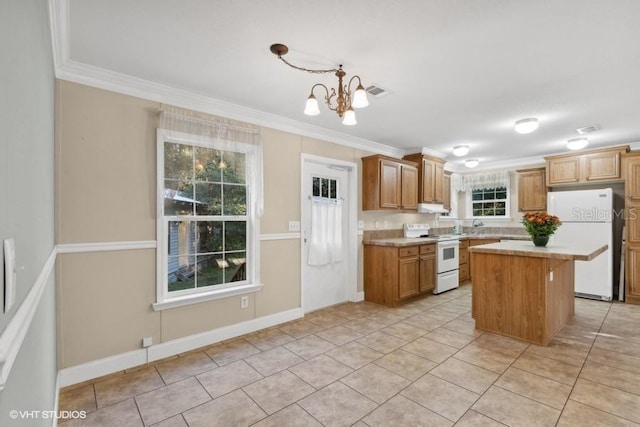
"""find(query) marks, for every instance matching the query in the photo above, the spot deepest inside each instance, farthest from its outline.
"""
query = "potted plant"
(540, 225)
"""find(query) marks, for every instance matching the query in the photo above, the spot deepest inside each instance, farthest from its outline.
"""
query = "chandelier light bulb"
(460, 150)
(349, 118)
(360, 98)
(526, 126)
(312, 109)
(577, 143)
(471, 163)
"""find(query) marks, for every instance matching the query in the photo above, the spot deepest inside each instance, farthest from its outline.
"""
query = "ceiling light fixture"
(577, 143)
(345, 101)
(460, 150)
(526, 126)
(471, 163)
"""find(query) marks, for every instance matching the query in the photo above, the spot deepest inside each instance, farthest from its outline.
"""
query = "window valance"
(229, 135)
(480, 181)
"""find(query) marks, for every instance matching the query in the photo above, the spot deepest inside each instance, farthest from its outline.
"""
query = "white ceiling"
(459, 71)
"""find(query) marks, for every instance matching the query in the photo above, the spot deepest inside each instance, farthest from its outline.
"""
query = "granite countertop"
(404, 241)
(580, 253)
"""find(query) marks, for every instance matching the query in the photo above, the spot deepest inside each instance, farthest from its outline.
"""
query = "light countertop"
(580, 253)
(404, 241)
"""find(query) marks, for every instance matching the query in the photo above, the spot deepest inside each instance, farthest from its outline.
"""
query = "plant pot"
(540, 240)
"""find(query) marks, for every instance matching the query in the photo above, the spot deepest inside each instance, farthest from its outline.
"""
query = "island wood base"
(522, 297)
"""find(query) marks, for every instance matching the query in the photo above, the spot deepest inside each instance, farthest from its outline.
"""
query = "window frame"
(507, 210)
(166, 299)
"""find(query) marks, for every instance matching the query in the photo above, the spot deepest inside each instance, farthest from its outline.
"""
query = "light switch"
(294, 225)
(9, 273)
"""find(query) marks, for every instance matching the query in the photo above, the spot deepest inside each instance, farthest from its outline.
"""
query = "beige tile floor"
(422, 364)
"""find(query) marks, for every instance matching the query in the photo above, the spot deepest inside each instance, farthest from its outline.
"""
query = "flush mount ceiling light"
(526, 126)
(345, 101)
(460, 150)
(577, 143)
(471, 163)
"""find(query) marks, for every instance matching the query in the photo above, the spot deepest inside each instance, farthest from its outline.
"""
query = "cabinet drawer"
(410, 251)
(428, 249)
(464, 244)
(464, 257)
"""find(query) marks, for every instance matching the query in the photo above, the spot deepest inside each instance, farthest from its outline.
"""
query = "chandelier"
(345, 102)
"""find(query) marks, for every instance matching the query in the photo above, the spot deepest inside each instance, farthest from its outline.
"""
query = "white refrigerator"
(586, 217)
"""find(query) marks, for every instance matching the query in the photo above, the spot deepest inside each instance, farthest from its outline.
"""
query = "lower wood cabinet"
(476, 242)
(463, 256)
(427, 268)
(632, 206)
(394, 274)
(408, 272)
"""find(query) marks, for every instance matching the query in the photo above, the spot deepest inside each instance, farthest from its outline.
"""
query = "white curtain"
(479, 181)
(325, 245)
(229, 134)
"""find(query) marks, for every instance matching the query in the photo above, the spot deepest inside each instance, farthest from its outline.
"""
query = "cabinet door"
(446, 196)
(409, 192)
(408, 276)
(438, 183)
(602, 166)
(428, 171)
(565, 170)
(532, 191)
(632, 179)
(632, 293)
(427, 272)
(390, 180)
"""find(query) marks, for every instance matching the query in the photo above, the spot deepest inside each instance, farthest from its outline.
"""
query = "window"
(206, 229)
(488, 202)
(325, 187)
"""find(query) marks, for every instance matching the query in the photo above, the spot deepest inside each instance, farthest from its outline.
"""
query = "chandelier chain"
(334, 70)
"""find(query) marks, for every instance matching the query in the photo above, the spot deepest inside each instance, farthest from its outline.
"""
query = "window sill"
(205, 296)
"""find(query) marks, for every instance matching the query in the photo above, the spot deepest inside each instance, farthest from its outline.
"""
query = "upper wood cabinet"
(389, 183)
(532, 190)
(446, 188)
(590, 166)
(430, 178)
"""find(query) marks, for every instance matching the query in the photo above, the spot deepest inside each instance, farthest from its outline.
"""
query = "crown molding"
(76, 72)
(525, 162)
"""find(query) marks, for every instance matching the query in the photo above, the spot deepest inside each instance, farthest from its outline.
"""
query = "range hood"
(431, 208)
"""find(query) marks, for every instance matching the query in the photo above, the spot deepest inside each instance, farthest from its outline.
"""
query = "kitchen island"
(523, 291)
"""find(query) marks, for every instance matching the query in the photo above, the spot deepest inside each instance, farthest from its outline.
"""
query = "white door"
(326, 245)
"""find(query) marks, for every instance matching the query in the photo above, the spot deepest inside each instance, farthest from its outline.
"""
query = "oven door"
(448, 252)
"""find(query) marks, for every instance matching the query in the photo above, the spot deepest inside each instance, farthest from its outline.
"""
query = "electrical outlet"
(147, 342)
(377, 225)
(294, 225)
(244, 302)
(361, 225)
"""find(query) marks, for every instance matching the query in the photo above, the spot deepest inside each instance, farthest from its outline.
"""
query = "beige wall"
(105, 192)
(105, 181)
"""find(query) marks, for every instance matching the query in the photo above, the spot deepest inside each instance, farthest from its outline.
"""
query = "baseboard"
(359, 296)
(97, 368)
(181, 345)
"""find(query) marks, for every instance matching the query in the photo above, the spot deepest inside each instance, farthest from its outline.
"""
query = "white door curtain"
(325, 245)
